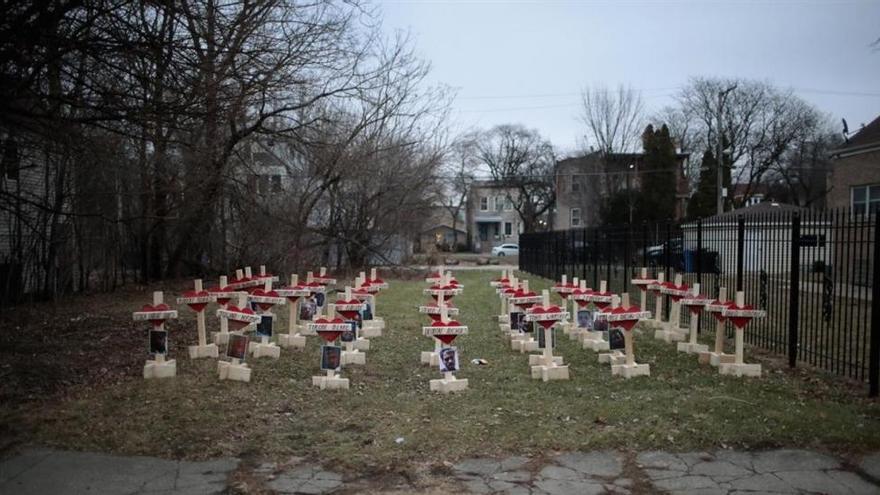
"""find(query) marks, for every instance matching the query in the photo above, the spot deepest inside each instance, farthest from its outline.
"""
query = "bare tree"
(458, 171)
(760, 124)
(525, 162)
(613, 119)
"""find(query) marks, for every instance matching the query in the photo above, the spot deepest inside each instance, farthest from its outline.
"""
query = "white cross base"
(330, 381)
(203, 351)
(716, 358)
(689, 348)
(670, 335)
(593, 341)
(524, 344)
(631, 370)
(296, 341)
(159, 368)
(538, 360)
(551, 371)
(234, 370)
(264, 349)
(613, 357)
(740, 369)
(448, 384)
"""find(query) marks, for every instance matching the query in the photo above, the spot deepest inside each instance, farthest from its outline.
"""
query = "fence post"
(596, 257)
(740, 250)
(794, 290)
(699, 253)
(584, 260)
(699, 262)
(874, 352)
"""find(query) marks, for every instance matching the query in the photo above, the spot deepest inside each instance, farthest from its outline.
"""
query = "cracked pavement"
(722, 472)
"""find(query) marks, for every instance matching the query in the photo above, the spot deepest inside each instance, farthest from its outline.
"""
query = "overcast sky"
(526, 61)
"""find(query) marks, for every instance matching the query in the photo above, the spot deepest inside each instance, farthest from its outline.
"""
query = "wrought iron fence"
(814, 273)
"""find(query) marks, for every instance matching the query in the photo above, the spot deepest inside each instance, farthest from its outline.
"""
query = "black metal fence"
(814, 273)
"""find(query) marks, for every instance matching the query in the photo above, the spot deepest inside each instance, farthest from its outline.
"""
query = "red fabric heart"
(740, 321)
(349, 315)
(677, 298)
(602, 304)
(719, 316)
(223, 300)
(446, 339)
(293, 299)
(625, 324)
(197, 307)
(543, 310)
(326, 335)
(263, 293)
(238, 325)
(159, 307)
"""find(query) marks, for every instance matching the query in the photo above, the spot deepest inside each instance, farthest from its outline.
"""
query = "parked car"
(656, 255)
(506, 250)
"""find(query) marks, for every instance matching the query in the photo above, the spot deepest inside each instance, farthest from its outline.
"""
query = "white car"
(506, 250)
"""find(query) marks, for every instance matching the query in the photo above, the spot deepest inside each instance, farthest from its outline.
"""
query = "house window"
(508, 204)
(276, 183)
(575, 217)
(866, 199)
(484, 203)
(499, 203)
(575, 185)
(508, 228)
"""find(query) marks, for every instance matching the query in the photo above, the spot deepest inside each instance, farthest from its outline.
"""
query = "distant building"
(855, 173)
(439, 234)
(491, 218)
(584, 183)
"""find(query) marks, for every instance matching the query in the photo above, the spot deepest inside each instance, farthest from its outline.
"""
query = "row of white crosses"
(443, 331)
(519, 306)
(348, 305)
(244, 288)
(612, 309)
(737, 312)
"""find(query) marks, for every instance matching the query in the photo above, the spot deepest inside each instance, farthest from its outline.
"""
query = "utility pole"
(719, 149)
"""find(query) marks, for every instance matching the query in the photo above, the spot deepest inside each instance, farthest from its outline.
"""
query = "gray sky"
(526, 61)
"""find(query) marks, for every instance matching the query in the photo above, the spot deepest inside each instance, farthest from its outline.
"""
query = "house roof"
(867, 139)
(763, 207)
(443, 225)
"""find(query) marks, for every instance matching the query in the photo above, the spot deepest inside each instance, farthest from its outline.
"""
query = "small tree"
(658, 176)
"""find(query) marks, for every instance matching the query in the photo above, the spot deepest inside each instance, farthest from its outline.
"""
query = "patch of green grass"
(681, 406)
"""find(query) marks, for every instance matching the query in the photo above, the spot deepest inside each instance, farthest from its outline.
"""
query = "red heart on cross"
(149, 308)
(264, 293)
(602, 304)
(682, 287)
(625, 324)
(696, 308)
(349, 315)
(446, 339)
(197, 307)
(537, 310)
(235, 324)
(222, 300)
(329, 336)
(740, 321)
(293, 299)
(719, 316)
(377, 281)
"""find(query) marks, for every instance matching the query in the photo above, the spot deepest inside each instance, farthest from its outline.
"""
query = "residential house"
(491, 217)
(440, 232)
(855, 184)
(855, 173)
(585, 182)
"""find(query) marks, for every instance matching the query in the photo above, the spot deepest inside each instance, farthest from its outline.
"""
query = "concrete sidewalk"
(724, 472)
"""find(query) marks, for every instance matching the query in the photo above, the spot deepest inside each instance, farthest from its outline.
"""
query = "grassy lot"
(101, 403)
